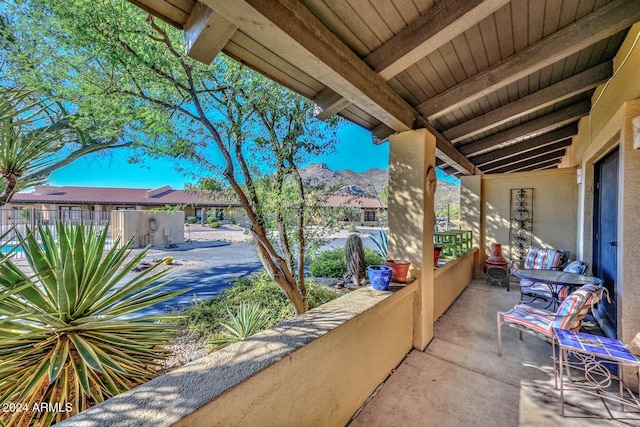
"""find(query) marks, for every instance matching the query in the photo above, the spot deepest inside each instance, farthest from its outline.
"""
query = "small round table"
(553, 278)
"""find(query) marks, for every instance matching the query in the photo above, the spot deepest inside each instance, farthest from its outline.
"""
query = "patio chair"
(541, 322)
(531, 291)
(540, 259)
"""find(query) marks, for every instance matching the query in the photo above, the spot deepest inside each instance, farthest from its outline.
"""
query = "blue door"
(605, 238)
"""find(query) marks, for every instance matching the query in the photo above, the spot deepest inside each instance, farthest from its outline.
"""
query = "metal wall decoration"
(521, 222)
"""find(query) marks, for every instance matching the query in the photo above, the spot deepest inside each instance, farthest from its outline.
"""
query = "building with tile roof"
(103, 199)
(74, 202)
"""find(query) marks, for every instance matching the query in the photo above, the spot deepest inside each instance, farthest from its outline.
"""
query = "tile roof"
(122, 196)
(159, 197)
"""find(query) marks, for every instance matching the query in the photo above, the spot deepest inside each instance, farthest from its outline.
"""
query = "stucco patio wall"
(147, 227)
(486, 207)
(450, 281)
(315, 369)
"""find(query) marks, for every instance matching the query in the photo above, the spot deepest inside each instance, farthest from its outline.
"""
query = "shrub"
(372, 258)
(192, 219)
(204, 317)
(213, 223)
(247, 321)
(333, 263)
(63, 341)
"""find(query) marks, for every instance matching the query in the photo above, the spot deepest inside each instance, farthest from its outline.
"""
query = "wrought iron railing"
(23, 221)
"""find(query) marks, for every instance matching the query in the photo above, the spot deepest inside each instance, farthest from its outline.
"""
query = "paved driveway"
(222, 262)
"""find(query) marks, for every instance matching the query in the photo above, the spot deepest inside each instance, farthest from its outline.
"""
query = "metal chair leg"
(499, 334)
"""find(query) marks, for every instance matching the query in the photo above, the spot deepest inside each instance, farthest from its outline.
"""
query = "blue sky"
(355, 151)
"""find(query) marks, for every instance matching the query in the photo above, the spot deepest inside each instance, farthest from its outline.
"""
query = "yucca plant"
(381, 243)
(27, 142)
(248, 320)
(64, 344)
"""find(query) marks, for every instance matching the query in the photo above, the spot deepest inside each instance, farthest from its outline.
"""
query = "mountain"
(370, 182)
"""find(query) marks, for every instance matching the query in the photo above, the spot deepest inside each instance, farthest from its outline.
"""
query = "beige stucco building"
(73, 201)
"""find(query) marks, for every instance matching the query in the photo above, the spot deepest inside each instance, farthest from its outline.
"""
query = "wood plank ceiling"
(502, 84)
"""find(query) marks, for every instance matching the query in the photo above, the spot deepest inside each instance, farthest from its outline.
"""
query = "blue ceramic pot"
(380, 276)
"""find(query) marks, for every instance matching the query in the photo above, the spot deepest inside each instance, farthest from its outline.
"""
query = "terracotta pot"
(436, 254)
(400, 269)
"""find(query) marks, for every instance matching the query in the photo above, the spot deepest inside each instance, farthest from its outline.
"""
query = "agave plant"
(381, 243)
(64, 343)
(248, 320)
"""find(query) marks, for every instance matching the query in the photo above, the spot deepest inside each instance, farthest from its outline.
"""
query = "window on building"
(370, 216)
(70, 213)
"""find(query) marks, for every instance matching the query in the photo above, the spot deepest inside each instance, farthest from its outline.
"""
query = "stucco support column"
(628, 297)
(411, 213)
(471, 205)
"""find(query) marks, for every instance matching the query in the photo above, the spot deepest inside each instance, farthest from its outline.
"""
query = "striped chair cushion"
(543, 259)
(576, 267)
(568, 316)
(533, 318)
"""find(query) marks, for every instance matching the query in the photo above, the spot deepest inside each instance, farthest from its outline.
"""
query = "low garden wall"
(316, 369)
(450, 280)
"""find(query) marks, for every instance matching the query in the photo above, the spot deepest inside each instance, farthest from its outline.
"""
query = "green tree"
(44, 127)
(220, 120)
(36, 138)
(206, 184)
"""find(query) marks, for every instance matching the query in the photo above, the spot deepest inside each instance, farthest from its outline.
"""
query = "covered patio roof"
(501, 84)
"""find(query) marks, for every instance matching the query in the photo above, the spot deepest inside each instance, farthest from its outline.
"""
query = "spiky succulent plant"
(66, 339)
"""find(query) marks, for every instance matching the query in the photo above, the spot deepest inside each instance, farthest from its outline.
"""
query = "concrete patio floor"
(460, 380)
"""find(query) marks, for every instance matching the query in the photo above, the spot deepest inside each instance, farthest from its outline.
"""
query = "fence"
(21, 221)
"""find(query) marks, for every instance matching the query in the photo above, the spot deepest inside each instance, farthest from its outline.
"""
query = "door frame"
(608, 321)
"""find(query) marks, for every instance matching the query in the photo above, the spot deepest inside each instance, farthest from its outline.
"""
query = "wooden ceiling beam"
(167, 12)
(563, 134)
(295, 33)
(543, 98)
(551, 164)
(540, 125)
(532, 163)
(438, 25)
(381, 133)
(529, 155)
(327, 103)
(598, 25)
(206, 33)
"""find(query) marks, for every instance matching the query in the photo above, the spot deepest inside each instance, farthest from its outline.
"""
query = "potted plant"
(436, 254)
(379, 277)
(399, 267)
